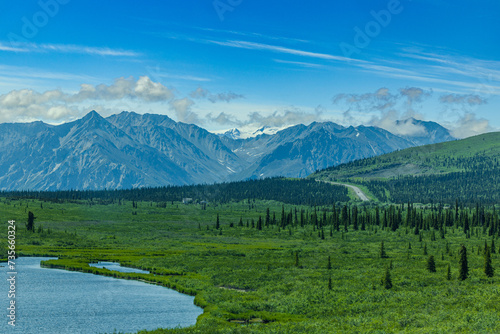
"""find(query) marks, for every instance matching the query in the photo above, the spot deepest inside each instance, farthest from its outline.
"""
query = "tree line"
(290, 191)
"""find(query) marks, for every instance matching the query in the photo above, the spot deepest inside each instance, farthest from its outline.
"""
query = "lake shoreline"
(47, 286)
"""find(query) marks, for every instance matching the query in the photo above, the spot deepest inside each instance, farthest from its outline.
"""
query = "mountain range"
(130, 150)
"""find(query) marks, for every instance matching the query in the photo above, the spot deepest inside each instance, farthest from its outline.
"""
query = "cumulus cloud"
(398, 112)
(467, 99)
(286, 117)
(224, 119)
(469, 125)
(55, 105)
(224, 97)
(278, 118)
(29, 105)
(463, 106)
(201, 93)
(182, 109)
(389, 109)
(143, 89)
(391, 122)
(394, 122)
(381, 99)
(413, 96)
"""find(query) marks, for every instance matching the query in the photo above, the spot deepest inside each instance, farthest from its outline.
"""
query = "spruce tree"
(386, 280)
(30, 226)
(463, 265)
(383, 254)
(488, 268)
(425, 249)
(330, 283)
(448, 273)
(329, 264)
(217, 223)
(296, 258)
(431, 264)
(345, 217)
(466, 224)
(493, 250)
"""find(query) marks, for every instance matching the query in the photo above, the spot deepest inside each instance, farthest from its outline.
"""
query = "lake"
(59, 301)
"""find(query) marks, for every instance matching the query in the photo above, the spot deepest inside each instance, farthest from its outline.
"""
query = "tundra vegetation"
(258, 264)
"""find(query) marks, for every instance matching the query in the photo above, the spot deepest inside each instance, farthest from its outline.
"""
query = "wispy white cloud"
(298, 63)
(30, 72)
(156, 72)
(473, 86)
(387, 70)
(184, 77)
(66, 48)
(471, 74)
(281, 49)
(7, 48)
(466, 66)
(255, 35)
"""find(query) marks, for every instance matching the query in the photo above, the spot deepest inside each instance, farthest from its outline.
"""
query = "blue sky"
(239, 63)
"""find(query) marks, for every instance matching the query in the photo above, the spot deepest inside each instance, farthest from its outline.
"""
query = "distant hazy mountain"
(250, 133)
(431, 132)
(132, 150)
(300, 150)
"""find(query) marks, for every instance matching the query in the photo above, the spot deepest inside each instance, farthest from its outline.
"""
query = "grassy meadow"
(273, 279)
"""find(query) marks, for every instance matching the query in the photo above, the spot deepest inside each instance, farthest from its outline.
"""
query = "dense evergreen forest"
(467, 170)
(290, 191)
(481, 186)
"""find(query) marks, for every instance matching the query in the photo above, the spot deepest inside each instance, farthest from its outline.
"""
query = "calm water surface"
(59, 301)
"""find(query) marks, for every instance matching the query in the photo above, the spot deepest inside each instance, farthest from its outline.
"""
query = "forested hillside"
(467, 170)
